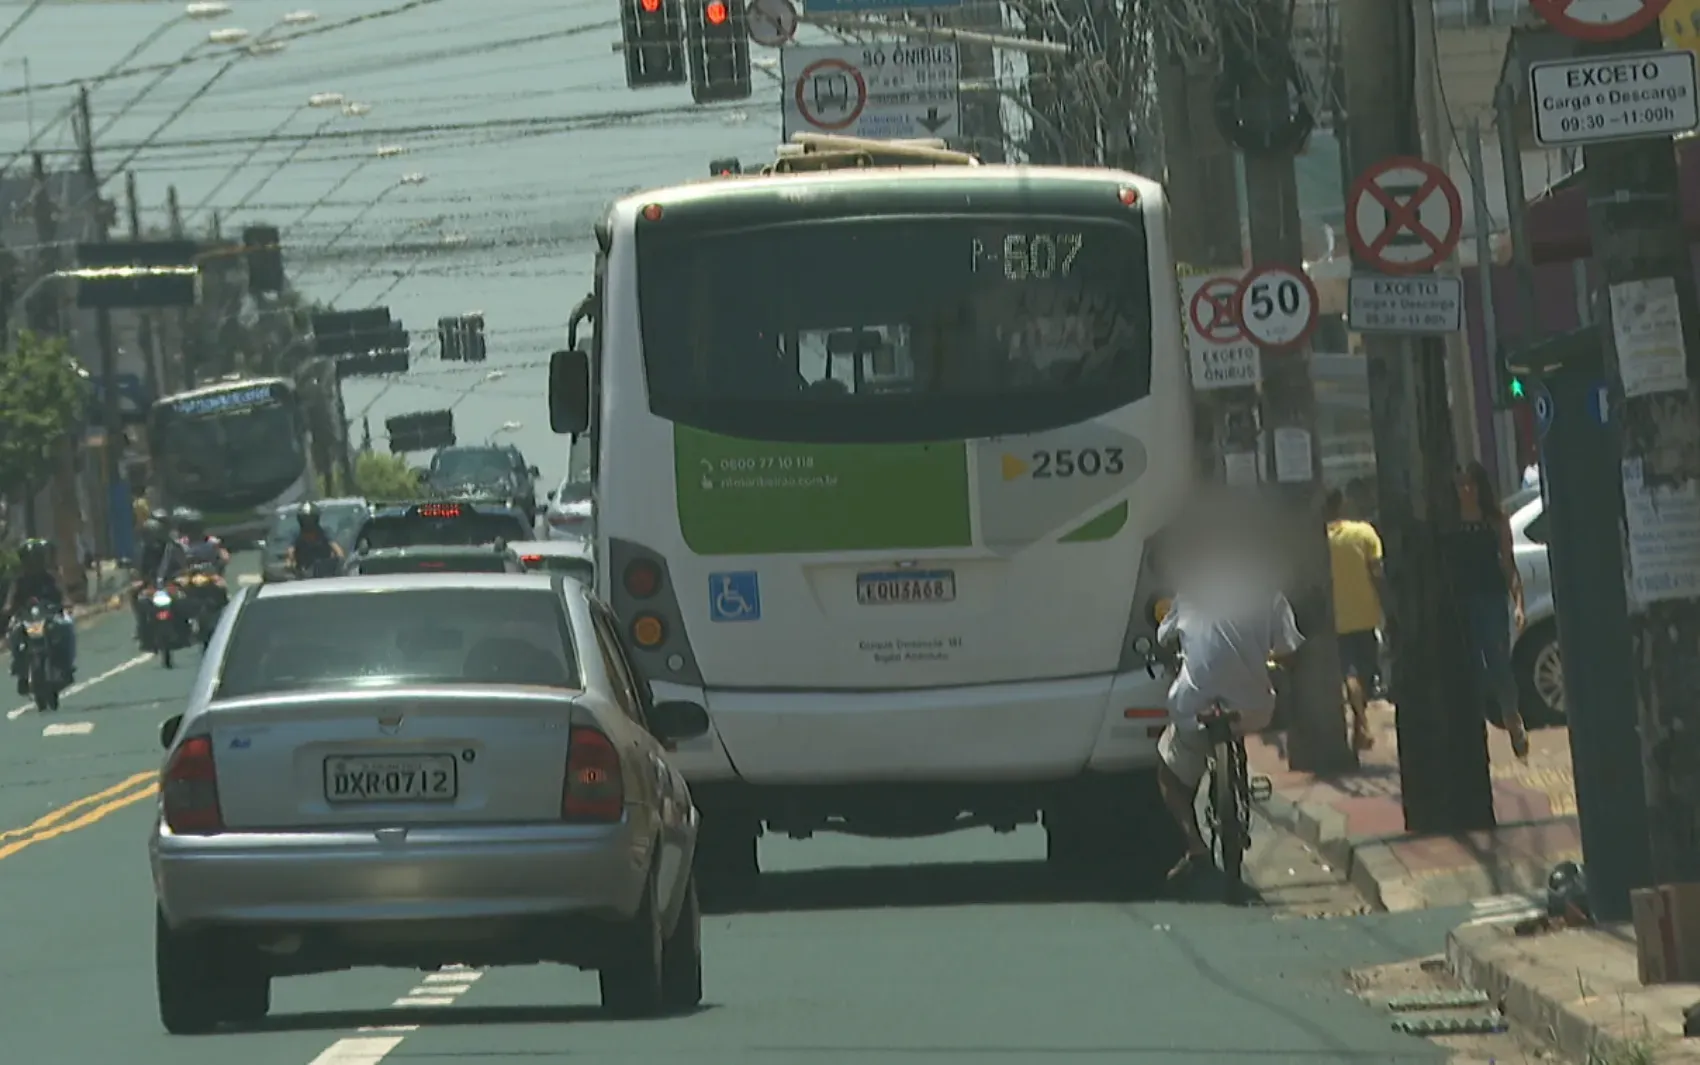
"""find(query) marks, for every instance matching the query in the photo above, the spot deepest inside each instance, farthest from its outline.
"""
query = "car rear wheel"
(1540, 676)
(681, 956)
(632, 980)
(199, 985)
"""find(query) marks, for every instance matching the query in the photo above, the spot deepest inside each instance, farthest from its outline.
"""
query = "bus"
(878, 457)
(235, 450)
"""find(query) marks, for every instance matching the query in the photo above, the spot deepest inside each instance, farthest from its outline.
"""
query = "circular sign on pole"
(1214, 311)
(1277, 306)
(831, 94)
(1543, 411)
(1404, 216)
(1599, 20)
(772, 23)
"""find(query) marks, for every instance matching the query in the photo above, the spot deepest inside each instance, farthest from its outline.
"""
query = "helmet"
(34, 554)
(153, 531)
(308, 516)
(189, 521)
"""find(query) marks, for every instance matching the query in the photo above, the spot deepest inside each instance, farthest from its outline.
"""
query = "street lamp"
(349, 110)
(319, 100)
(387, 151)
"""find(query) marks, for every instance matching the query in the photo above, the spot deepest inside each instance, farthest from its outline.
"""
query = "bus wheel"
(1113, 834)
(727, 868)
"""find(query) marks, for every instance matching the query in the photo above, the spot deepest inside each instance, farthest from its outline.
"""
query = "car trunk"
(463, 755)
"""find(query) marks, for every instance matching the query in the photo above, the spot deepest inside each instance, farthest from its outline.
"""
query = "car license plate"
(383, 778)
(907, 586)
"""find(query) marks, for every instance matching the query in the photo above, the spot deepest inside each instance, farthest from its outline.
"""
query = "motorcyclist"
(312, 545)
(35, 582)
(200, 548)
(161, 558)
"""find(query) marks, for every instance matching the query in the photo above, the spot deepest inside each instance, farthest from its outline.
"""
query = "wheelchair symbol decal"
(734, 596)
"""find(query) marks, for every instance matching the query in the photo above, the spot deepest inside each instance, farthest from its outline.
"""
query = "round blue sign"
(1543, 410)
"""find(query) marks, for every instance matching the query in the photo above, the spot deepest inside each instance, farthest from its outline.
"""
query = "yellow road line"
(83, 821)
(67, 810)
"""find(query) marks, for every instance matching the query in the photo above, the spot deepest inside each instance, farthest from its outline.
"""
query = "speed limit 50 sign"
(1277, 306)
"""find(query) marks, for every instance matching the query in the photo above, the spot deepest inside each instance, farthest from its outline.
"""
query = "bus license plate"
(914, 586)
(387, 778)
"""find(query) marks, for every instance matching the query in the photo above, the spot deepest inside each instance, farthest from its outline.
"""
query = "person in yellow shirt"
(1354, 550)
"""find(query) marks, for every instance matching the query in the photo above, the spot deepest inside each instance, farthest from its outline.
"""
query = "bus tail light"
(649, 631)
(1128, 195)
(189, 790)
(594, 792)
(642, 579)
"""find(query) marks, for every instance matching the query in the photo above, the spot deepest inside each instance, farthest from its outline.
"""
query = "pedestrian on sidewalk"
(1354, 550)
(1483, 568)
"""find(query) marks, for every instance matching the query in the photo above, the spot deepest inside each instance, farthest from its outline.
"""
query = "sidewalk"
(1355, 821)
(1578, 989)
(107, 582)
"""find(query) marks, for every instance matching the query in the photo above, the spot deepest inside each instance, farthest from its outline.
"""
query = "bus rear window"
(895, 329)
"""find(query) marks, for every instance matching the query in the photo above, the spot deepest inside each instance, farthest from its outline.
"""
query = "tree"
(41, 399)
(378, 476)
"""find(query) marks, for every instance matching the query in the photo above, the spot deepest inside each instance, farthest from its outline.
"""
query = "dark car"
(441, 523)
(435, 558)
(497, 472)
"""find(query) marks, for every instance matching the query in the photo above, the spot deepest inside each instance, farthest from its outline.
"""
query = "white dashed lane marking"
(69, 728)
(370, 1047)
(84, 685)
(248, 578)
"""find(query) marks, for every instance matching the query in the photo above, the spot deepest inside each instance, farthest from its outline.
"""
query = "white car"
(570, 515)
(416, 771)
(1540, 673)
(575, 558)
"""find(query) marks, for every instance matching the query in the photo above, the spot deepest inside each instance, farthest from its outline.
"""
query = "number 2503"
(1086, 462)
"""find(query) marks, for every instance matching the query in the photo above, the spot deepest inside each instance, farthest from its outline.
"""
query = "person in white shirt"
(1229, 619)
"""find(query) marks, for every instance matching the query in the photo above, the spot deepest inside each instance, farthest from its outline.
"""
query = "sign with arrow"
(884, 90)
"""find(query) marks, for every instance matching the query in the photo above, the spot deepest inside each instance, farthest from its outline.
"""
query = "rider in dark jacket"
(35, 582)
(312, 545)
(161, 558)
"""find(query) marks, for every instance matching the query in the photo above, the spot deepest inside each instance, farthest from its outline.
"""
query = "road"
(944, 951)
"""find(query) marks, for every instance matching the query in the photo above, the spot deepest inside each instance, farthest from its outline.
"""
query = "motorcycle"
(33, 633)
(325, 567)
(205, 595)
(168, 625)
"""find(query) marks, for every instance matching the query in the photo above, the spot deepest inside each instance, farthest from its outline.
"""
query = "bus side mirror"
(569, 392)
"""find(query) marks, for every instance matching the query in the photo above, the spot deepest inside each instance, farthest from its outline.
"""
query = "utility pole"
(1443, 763)
(1316, 729)
(144, 319)
(112, 421)
(1202, 182)
(1652, 363)
(42, 316)
(982, 107)
(42, 313)
(188, 343)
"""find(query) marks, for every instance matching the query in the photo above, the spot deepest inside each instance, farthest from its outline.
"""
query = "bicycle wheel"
(1230, 819)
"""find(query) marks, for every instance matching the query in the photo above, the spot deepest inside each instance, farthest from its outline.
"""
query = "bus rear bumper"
(1029, 732)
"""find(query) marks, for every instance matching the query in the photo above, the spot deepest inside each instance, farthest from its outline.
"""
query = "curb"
(1616, 1020)
(1367, 866)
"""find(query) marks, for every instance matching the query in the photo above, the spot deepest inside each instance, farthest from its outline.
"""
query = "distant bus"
(235, 450)
(896, 442)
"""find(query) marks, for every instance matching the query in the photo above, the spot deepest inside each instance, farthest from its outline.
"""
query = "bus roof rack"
(822, 151)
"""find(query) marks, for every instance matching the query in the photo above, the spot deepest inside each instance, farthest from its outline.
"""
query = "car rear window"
(425, 636)
(455, 564)
(412, 531)
(579, 568)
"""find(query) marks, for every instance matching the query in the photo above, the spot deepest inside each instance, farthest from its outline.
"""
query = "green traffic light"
(1516, 388)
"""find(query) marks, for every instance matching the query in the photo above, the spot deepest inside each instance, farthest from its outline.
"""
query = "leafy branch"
(41, 398)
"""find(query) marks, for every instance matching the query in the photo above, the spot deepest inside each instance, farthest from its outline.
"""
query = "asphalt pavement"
(956, 949)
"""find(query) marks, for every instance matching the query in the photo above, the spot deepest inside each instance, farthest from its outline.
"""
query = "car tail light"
(190, 790)
(532, 561)
(594, 790)
(643, 579)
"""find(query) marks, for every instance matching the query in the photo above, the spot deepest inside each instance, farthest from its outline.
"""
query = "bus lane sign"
(1222, 355)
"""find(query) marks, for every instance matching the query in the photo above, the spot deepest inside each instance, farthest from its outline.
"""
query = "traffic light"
(725, 168)
(717, 33)
(263, 248)
(472, 327)
(1510, 387)
(423, 431)
(461, 339)
(176, 289)
(448, 340)
(654, 35)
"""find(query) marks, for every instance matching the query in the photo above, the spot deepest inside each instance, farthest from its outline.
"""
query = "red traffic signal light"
(717, 13)
(650, 7)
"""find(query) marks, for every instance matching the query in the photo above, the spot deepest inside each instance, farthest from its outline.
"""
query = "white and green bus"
(878, 456)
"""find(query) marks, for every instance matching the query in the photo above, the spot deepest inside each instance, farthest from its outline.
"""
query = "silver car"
(1540, 673)
(571, 513)
(417, 771)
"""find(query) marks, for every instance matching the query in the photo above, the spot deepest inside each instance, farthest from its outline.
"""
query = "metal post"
(112, 420)
(1442, 739)
(1522, 256)
(1651, 349)
(184, 376)
(144, 324)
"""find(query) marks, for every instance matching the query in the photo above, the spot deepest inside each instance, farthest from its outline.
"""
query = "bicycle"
(1227, 804)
